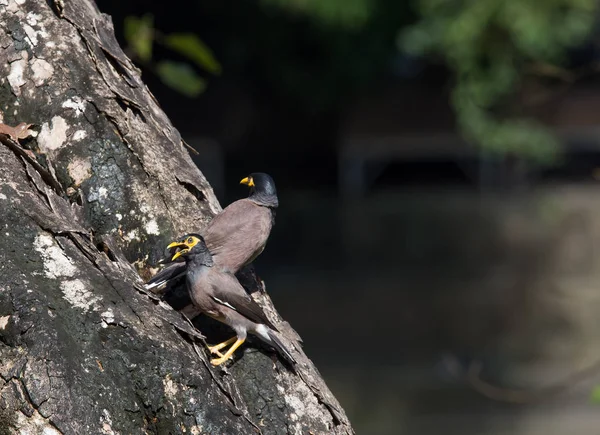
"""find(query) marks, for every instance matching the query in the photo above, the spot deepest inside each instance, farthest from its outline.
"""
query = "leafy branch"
(140, 35)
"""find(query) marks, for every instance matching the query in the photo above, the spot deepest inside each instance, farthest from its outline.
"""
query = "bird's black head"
(191, 247)
(262, 189)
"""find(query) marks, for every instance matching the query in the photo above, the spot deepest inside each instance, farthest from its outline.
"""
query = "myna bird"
(219, 295)
(238, 234)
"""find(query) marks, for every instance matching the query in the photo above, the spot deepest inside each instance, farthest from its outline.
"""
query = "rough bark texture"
(104, 184)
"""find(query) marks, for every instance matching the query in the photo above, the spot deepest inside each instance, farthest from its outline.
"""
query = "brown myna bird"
(219, 295)
(238, 234)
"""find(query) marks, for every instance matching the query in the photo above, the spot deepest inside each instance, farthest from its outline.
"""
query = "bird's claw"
(215, 350)
(218, 361)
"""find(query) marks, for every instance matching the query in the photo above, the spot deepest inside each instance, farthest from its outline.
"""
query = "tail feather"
(280, 347)
(269, 336)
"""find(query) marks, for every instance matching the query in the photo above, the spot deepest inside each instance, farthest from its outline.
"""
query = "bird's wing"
(238, 234)
(170, 272)
(227, 291)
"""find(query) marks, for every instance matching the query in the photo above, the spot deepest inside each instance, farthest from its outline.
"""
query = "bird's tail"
(283, 351)
(269, 336)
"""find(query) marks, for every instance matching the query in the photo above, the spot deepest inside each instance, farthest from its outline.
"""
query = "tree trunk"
(105, 183)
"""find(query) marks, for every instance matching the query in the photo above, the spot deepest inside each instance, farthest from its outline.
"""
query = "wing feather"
(227, 291)
(169, 273)
(238, 234)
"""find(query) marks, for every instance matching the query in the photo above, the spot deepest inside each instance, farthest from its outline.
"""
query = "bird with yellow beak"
(237, 235)
(218, 294)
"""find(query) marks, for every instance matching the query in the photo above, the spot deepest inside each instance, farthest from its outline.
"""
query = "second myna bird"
(219, 295)
(237, 235)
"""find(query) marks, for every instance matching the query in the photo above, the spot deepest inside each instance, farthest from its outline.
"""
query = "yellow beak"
(248, 181)
(178, 253)
(176, 245)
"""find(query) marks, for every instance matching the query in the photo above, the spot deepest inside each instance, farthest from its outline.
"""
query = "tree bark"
(104, 185)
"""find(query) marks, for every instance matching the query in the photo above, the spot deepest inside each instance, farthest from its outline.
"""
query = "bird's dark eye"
(190, 240)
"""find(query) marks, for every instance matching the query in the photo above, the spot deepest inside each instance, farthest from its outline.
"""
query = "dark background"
(446, 254)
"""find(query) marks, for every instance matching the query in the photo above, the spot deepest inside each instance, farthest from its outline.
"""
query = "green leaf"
(190, 46)
(139, 33)
(180, 77)
(595, 396)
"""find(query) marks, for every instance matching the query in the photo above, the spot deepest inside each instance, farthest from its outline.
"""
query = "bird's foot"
(229, 353)
(217, 347)
(218, 361)
(215, 350)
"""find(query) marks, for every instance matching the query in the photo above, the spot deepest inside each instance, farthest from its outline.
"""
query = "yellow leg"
(217, 347)
(219, 361)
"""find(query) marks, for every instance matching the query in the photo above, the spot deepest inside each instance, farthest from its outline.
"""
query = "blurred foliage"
(308, 56)
(141, 35)
(180, 77)
(321, 53)
(352, 13)
(190, 45)
(315, 55)
(488, 44)
(595, 395)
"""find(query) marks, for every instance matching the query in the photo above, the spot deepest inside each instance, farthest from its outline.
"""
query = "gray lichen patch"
(75, 103)
(29, 38)
(79, 294)
(58, 266)
(80, 169)
(35, 29)
(56, 263)
(171, 388)
(34, 424)
(16, 76)
(304, 407)
(42, 71)
(53, 134)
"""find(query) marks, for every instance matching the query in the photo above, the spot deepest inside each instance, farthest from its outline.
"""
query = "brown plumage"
(238, 234)
(218, 294)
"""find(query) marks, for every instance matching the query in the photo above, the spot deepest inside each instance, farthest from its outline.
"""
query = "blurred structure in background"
(437, 167)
